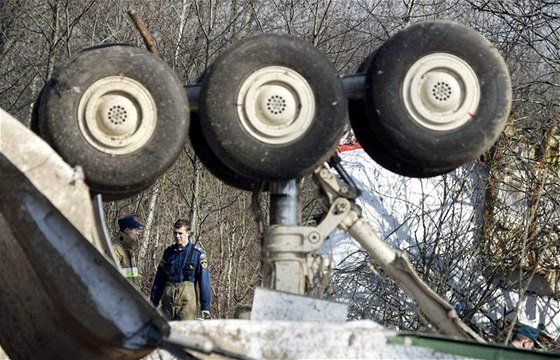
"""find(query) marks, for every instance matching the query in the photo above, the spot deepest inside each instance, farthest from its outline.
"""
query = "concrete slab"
(277, 305)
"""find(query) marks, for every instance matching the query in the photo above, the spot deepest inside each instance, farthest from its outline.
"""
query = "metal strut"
(289, 245)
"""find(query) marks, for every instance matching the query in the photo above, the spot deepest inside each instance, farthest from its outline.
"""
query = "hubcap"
(441, 92)
(275, 105)
(117, 115)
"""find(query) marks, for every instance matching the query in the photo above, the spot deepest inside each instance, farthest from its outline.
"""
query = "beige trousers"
(179, 301)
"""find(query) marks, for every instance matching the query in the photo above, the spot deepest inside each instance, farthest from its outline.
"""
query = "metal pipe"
(285, 268)
(193, 94)
(284, 203)
(352, 85)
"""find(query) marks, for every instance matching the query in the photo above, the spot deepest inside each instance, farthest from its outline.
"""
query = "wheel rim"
(275, 105)
(441, 92)
(117, 115)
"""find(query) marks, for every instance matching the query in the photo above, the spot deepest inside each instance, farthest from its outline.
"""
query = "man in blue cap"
(524, 337)
(126, 244)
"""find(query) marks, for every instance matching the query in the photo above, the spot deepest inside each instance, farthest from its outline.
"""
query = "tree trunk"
(540, 175)
(146, 238)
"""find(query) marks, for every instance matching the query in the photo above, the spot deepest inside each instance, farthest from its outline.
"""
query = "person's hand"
(205, 315)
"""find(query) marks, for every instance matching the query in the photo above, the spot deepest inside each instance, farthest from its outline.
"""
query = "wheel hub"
(117, 115)
(441, 92)
(276, 105)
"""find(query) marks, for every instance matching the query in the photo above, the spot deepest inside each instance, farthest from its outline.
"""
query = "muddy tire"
(272, 108)
(374, 147)
(437, 94)
(118, 112)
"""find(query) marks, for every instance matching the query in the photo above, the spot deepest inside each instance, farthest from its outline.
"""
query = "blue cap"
(129, 221)
(527, 331)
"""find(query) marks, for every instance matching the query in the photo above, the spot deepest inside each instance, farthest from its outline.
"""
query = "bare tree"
(513, 231)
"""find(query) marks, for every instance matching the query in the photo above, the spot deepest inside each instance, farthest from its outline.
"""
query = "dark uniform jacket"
(180, 264)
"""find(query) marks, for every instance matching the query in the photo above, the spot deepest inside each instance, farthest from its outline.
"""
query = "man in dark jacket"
(182, 267)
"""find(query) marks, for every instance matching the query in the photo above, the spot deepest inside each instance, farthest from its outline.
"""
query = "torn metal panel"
(57, 281)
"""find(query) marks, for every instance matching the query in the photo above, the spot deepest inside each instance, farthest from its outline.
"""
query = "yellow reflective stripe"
(130, 272)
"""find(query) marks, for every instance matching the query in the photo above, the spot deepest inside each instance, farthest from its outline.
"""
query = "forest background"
(518, 232)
